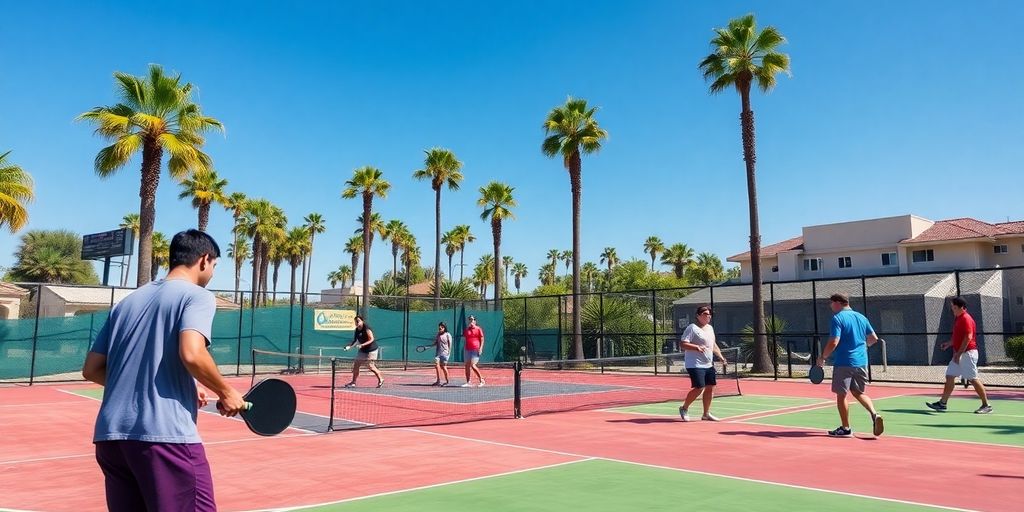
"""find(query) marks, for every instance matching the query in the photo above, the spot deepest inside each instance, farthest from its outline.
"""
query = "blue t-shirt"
(852, 329)
(150, 395)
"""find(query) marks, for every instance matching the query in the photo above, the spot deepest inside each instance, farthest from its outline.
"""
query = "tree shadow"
(647, 421)
(1012, 430)
(991, 475)
(921, 412)
(788, 434)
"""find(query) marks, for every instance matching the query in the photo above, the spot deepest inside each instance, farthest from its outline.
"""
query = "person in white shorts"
(367, 344)
(965, 358)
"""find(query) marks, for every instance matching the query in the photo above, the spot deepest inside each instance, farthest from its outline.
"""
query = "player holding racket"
(363, 339)
(698, 341)
(850, 335)
(442, 350)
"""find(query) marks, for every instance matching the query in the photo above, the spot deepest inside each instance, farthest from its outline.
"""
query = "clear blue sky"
(893, 108)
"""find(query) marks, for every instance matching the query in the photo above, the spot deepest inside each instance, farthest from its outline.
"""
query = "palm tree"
(278, 253)
(45, 256)
(653, 246)
(572, 129)
(239, 251)
(566, 256)
(680, 257)
(519, 271)
(708, 269)
(741, 56)
(156, 114)
(396, 231)
(465, 237)
(410, 256)
(204, 187)
(590, 272)
(354, 246)
(451, 246)
(235, 203)
(483, 273)
(130, 222)
(497, 202)
(442, 168)
(367, 182)
(609, 257)
(16, 189)
(339, 276)
(547, 273)
(161, 253)
(506, 262)
(554, 255)
(314, 224)
(264, 223)
(297, 244)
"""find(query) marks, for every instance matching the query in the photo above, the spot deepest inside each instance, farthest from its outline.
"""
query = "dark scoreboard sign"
(119, 242)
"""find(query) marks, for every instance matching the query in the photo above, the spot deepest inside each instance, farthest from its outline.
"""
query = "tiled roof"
(424, 288)
(774, 249)
(8, 289)
(966, 228)
(84, 295)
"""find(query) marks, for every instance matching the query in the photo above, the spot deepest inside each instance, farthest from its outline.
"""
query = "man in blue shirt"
(850, 335)
(149, 356)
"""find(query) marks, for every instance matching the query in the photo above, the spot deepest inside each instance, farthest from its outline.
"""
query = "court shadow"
(646, 421)
(925, 412)
(1012, 430)
(1015, 477)
(773, 434)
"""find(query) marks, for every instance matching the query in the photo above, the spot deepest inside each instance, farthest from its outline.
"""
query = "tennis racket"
(423, 348)
(816, 375)
(269, 407)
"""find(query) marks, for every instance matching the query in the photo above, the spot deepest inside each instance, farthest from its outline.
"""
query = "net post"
(517, 387)
(334, 386)
(35, 336)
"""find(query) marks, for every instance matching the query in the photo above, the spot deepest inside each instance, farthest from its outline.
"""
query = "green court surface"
(908, 416)
(96, 393)
(597, 484)
(723, 407)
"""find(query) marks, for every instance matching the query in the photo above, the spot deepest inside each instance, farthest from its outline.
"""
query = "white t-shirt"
(704, 337)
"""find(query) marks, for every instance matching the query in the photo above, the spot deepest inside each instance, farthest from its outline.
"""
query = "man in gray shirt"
(149, 356)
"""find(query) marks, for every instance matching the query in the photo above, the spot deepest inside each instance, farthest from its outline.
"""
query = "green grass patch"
(908, 416)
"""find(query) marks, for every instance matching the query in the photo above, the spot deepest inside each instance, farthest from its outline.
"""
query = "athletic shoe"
(683, 415)
(841, 432)
(936, 406)
(466, 385)
(380, 383)
(985, 409)
(709, 417)
(436, 383)
(877, 425)
(444, 384)
(482, 382)
(350, 385)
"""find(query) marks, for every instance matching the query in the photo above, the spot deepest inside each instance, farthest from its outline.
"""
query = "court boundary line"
(695, 472)
(425, 487)
(898, 436)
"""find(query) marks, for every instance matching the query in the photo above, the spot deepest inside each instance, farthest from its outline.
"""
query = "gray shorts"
(846, 378)
(367, 356)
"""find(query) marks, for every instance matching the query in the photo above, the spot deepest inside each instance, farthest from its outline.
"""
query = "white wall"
(952, 256)
(886, 231)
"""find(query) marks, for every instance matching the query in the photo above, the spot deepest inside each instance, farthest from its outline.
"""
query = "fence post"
(654, 316)
(559, 345)
(302, 322)
(864, 308)
(600, 325)
(524, 352)
(35, 336)
(774, 333)
(814, 311)
(241, 311)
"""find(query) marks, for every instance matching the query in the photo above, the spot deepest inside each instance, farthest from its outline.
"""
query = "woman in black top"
(363, 339)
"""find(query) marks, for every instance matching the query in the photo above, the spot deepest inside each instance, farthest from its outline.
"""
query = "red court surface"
(46, 460)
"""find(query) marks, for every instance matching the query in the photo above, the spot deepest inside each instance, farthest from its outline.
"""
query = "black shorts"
(701, 377)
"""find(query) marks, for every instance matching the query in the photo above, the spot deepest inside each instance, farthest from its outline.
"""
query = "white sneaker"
(465, 385)
(683, 415)
(709, 417)
(350, 385)
(482, 382)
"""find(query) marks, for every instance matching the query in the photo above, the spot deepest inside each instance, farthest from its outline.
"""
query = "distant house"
(338, 295)
(10, 300)
(69, 301)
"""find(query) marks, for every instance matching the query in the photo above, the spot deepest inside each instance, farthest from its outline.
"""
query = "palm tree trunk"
(437, 248)
(450, 266)
(355, 269)
(496, 233)
(277, 266)
(762, 361)
(394, 261)
(308, 270)
(367, 208)
(291, 293)
(264, 267)
(652, 261)
(462, 262)
(257, 242)
(576, 182)
(151, 155)
(204, 216)
(238, 280)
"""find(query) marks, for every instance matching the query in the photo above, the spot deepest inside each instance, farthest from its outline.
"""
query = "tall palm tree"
(506, 263)
(239, 251)
(465, 237)
(341, 275)
(653, 246)
(367, 182)
(354, 246)
(679, 256)
(743, 55)
(314, 224)
(235, 203)
(296, 246)
(547, 274)
(519, 271)
(609, 257)
(156, 114)
(497, 203)
(483, 274)
(590, 272)
(396, 231)
(16, 190)
(161, 253)
(130, 222)
(411, 256)
(451, 246)
(566, 256)
(204, 187)
(571, 130)
(278, 254)
(554, 255)
(264, 223)
(442, 168)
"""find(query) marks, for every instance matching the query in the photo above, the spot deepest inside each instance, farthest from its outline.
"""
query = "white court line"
(897, 436)
(424, 487)
(39, 404)
(692, 471)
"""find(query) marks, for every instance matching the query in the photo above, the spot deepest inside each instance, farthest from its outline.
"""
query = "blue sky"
(893, 108)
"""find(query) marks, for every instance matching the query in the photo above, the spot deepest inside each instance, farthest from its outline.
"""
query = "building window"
(1020, 301)
(775, 268)
(923, 255)
(889, 259)
(812, 264)
(1000, 249)
(845, 262)
(1020, 326)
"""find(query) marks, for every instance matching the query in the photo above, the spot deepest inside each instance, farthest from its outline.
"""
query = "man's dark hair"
(959, 302)
(190, 245)
(841, 298)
